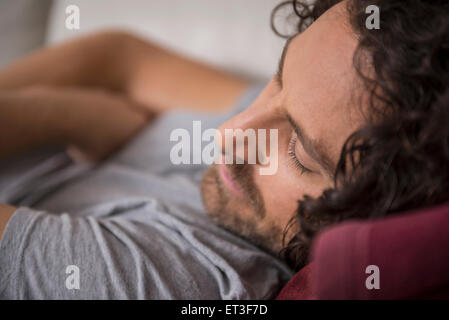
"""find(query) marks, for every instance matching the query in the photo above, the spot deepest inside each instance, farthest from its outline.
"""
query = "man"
(354, 141)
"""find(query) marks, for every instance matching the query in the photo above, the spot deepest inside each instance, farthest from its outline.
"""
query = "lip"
(228, 181)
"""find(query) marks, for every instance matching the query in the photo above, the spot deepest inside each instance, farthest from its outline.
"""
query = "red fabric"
(411, 251)
(299, 287)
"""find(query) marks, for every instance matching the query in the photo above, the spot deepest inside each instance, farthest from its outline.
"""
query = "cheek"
(280, 193)
(282, 190)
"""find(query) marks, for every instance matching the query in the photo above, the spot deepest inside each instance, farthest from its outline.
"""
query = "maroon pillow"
(410, 250)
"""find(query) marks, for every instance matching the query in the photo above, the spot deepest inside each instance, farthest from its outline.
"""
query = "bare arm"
(118, 61)
(93, 122)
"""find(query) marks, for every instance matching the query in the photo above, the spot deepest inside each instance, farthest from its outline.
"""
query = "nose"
(239, 138)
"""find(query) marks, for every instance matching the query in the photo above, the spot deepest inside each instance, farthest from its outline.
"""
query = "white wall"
(233, 34)
(22, 27)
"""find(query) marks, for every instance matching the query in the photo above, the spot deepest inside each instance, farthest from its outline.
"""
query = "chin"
(236, 215)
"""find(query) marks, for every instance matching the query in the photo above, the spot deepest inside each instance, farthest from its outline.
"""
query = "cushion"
(410, 249)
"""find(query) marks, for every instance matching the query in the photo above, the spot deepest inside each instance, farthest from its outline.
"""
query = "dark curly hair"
(400, 159)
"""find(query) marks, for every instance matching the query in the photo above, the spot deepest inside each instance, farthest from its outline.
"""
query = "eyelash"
(293, 157)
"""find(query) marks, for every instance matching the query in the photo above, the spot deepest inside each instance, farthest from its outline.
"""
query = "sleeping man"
(94, 208)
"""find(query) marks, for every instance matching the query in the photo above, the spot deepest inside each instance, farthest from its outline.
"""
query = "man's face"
(310, 105)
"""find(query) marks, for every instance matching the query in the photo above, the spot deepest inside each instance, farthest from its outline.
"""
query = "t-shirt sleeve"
(47, 256)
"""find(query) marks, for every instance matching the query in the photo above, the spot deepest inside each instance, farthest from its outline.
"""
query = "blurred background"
(234, 35)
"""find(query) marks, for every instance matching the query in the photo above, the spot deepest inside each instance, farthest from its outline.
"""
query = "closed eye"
(292, 155)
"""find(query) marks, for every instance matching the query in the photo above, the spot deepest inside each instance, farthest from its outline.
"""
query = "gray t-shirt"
(133, 227)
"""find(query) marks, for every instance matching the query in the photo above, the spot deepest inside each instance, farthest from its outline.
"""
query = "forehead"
(319, 81)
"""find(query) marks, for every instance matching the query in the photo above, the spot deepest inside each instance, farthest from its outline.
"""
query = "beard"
(243, 215)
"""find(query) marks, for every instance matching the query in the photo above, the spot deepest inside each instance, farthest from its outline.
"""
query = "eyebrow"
(314, 150)
(280, 69)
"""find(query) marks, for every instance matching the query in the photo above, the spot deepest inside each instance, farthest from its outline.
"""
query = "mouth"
(228, 181)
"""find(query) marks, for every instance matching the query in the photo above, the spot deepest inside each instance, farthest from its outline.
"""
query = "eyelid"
(292, 153)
